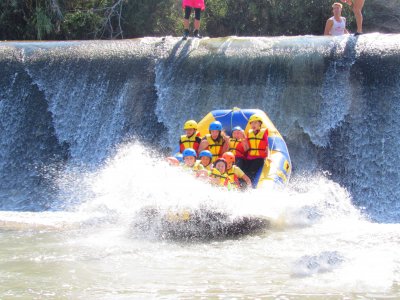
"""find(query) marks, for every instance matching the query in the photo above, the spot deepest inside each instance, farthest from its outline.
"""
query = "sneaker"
(185, 34)
(358, 33)
(196, 34)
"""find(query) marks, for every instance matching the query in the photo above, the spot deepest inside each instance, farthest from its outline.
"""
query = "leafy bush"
(80, 25)
(88, 19)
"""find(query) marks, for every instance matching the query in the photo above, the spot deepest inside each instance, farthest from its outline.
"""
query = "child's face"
(237, 134)
(229, 165)
(205, 161)
(255, 125)
(190, 131)
(220, 167)
(214, 133)
(189, 161)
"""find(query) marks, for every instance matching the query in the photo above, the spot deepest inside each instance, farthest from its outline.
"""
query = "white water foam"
(134, 179)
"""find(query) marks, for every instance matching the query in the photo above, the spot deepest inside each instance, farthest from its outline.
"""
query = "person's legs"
(197, 13)
(240, 163)
(252, 167)
(188, 12)
(357, 9)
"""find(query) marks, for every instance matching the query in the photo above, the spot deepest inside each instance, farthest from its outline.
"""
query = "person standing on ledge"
(336, 25)
(197, 6)
(357, 10)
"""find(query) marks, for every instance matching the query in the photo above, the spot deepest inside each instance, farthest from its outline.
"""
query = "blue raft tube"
(277, 166)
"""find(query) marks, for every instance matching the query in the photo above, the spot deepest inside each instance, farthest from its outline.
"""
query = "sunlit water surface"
(319, 245)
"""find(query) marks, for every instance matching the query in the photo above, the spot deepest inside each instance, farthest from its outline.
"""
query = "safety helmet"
(229, 157)
(189, 152)
(216, 125)
(255, 117)
(237, 128)
(191, 124)
(179, 157)
(205, 153)
(221, 160)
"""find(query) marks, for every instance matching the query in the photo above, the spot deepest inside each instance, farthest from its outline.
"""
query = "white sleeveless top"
(338, 27)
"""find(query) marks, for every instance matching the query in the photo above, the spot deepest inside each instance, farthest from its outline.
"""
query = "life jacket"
(187, 168)
(198, 166)
(236, 147)
(214, 146)
(233, 178)
(223, 178)
(209, 167)
(258, 146)
(189, 142)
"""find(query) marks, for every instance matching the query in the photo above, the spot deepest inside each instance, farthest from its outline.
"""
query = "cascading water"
(83, 130)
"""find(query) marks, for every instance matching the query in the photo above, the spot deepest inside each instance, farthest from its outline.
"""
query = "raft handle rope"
(231, 112)
(239, 110)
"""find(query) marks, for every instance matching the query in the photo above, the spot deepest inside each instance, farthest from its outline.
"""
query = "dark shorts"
(252, 167)
(188, 12)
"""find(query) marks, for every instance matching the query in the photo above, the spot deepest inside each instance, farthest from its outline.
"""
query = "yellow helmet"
(255, 117)
(191, 124)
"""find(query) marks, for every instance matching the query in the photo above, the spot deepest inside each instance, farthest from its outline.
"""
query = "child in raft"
(205, 159)
(189, 160)
(234, 172)
(236, 145)
(218, 175)
(191, 138)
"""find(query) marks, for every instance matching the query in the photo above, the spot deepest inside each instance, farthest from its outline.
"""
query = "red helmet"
(221, 160)
(229, 157)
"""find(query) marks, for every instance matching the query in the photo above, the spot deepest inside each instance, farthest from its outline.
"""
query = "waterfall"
(70, 104)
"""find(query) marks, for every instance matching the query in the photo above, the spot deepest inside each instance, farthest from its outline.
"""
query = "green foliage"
(151, 17)
(42, 23)
(88, 19)
(80, 25)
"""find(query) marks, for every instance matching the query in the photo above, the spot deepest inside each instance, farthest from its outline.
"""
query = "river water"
(84, 129)
(319, 246)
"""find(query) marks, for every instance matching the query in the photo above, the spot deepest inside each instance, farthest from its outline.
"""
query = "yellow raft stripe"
(205, 123)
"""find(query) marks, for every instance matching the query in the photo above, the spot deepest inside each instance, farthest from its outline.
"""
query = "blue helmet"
(216, 125)
(179, 157)
(237, 128)
(189, 152)
(205, 153)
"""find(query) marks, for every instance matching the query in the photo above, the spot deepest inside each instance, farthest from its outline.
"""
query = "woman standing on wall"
(197, 6)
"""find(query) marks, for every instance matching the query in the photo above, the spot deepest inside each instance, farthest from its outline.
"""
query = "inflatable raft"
(201, 224)
(208, 224)
(277, 167)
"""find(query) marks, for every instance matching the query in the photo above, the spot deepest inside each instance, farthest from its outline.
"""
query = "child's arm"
(246, 179)
(203, 145)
